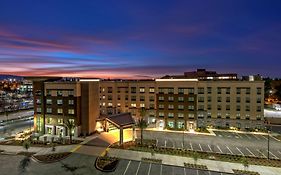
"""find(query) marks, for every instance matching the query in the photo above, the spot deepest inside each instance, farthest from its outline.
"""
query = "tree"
(24, 163)
(70, 126)
(195, 157)
(26, 144)
(278, 92)
(142, 124)
(245, 163)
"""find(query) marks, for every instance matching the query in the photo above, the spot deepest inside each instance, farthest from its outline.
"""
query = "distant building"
(195, 99)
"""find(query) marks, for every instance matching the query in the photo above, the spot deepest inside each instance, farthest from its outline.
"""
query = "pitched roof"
(122, 119)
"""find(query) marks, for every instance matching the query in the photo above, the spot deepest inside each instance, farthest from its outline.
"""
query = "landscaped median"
(50, 158)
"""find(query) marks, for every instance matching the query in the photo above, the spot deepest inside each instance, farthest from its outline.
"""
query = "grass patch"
(195, 166)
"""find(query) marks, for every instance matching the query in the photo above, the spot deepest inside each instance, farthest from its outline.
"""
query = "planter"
(106, 164)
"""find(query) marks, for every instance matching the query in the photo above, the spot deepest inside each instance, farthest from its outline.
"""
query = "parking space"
(130, 167)
(245, 136)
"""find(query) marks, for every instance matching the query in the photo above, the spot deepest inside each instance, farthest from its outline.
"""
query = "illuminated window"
(70, 111)
(59, 110)
(59, 102)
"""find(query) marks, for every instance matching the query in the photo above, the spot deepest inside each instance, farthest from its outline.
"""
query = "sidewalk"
(185, 132)
(179, 161)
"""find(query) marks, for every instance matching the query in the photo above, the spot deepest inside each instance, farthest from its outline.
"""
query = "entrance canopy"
(124, 120)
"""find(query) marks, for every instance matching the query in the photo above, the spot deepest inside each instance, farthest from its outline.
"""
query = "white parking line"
(261, 153)
(239, 135)
(156, 142)
(191, 145)
(165, 143)
(229, 149)
(184, 171)
(273, 155)
(161, 169)
(149, 169)
(250, 152)
(279, 152)
(173, 144)
(182, 145)
(127, 167)
(247, 136)
(240, 151)
(256, 137)
(200, 146)
(138, 168)
(210, 148)
(264, 137)
(219, 148)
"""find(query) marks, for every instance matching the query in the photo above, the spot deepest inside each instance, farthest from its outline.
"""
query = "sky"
(139, 39)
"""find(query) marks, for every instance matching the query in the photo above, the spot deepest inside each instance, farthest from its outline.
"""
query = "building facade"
(182, 102)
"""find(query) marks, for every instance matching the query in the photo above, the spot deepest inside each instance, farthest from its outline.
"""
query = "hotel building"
(195, 99)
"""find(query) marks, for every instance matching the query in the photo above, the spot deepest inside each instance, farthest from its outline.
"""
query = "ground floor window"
(49, 130)
(171, 124)
(180, 125)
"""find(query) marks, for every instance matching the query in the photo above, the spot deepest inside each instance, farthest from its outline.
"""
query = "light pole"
(268, 132)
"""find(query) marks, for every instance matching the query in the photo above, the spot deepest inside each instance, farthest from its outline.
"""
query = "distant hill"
(2, 77)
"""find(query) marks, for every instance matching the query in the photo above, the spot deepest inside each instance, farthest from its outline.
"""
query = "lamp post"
(268, 132)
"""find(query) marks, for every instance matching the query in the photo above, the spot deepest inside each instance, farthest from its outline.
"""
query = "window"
(49, 110)
(59, 102)
(109, 97)
(142, 105)
(227, 107)
(170, 98)
(209, 107)
(238, 108)
(71, 93)
(190, 107)
(49, 120)
(39, 110)
(109, 90)
(227, 99)
(201, 107)
(161, 90)
(161, 98)
(248, 90)
(151, 106)
(227, 115)
(171, 124)
(258, 100)
(180, 91)
(142, 89)
(49, 101)
(38, 101)
(49, 92)
(219, 90)
(180, 115)
(238, 99)
(209, 98)
(219, 99)
(259, 91)
(133, 98)
(247, 117)
(151, 90)
(247, 99)
(191, 90)
(170, 90)
(238, 116)
(209, 115)
(180, 107)
(200, 115)
(201, 99)
(133, 90)
(191, 99)
(170, 106)
(228, 90)
(151, 98)
(180, 99)
(161, 114)
(59, 93)
(118, 104)
(170, 115)
(191, 116)
(238, 90)
(71, 111)
(59, 110)
(219, 115)
(247, 108)
(180, 125)
(118, 89)
(200, 90)
(219, 107)
(161, 106)
(142, 98)
(109, 104)
(60, 121)
(258, 108)
(209, 90)
(134, 105)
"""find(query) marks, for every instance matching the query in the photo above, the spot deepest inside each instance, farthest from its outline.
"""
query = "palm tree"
(142, 124)
(245, 163)
(70, 124)
(195, 157)
(26, 145)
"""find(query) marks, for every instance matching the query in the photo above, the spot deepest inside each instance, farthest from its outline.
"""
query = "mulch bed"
(195, 166)
(50, 158)
(106, 164)
(243, 172)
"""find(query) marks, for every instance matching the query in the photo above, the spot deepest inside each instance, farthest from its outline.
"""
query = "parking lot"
(129, 167)
(224, 142)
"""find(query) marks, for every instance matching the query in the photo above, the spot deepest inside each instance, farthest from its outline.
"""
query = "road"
(224, 142)
(15, 127)
(16, 115)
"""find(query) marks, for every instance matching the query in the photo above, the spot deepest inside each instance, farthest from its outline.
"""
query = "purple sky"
(139, 39)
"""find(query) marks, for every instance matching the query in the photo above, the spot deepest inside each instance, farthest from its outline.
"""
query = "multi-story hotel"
(194, 99)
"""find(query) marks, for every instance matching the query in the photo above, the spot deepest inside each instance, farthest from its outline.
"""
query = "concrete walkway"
(179, 161)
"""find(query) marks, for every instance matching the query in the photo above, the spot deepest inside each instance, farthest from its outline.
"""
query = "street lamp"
(268, 132)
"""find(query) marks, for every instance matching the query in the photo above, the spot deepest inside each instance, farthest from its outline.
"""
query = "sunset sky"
(139, 39)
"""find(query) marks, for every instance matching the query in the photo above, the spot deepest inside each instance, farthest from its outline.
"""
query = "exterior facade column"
(121, 136)
(134, 133)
